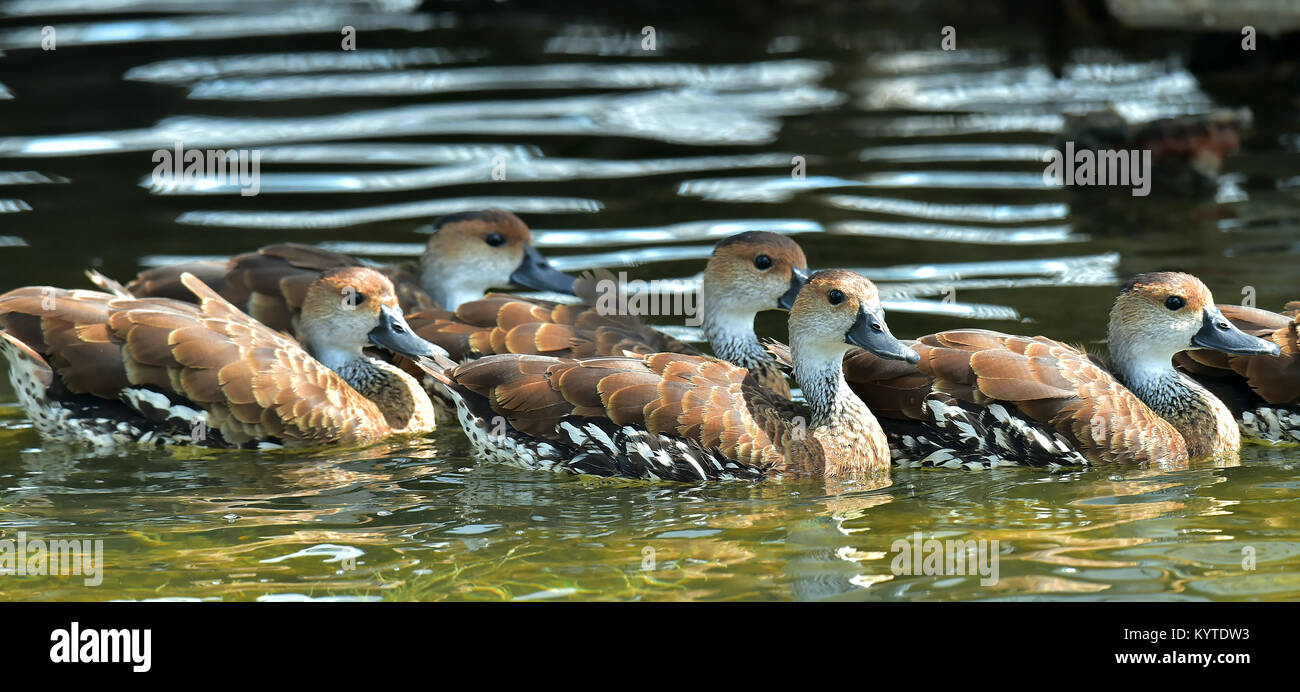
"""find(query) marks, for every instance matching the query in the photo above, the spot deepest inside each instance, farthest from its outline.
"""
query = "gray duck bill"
(538, 274)
(870, 332)
(1219, 334)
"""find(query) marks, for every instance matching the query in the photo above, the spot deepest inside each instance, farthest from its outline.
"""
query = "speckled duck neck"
(1206, 424)
(399, 397)
(851, 438)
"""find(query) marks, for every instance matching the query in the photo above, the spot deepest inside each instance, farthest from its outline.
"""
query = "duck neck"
(450, 284)
(1206, 424)
(403, 403)
(451, 297)
(851, 439)
(728, 324)
(406, 407)
(732, 338)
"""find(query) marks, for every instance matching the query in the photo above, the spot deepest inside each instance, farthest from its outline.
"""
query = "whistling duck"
(467, 254)
(1263, 391)
(101, 369)
(746, 274)
(981, 398)
(671, 416)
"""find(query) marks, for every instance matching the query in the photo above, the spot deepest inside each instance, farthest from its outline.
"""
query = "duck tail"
(436, 366)
(587, 286)
(107, 284)
(23, 357)
(781, 352)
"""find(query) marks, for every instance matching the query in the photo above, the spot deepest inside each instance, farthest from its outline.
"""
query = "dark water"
(922, 168)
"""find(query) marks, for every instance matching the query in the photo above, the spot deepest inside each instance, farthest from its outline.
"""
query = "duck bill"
(798, 277)
(394, 334)
(1219, 334)
(538, 274)
(870, 332)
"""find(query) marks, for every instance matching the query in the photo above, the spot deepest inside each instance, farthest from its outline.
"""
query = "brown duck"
(1263, 391)
(982, 398)
(467, 254)
(679, 417)
(95, 368)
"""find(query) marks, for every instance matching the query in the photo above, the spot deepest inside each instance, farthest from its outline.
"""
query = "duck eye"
(835, 297)
(1175, 302)
(495, 239)
(762, 262)
(352, 298)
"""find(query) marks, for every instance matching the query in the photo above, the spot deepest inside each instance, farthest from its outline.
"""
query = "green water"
(420, 519)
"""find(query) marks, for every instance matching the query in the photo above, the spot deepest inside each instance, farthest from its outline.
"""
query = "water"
(922, 170)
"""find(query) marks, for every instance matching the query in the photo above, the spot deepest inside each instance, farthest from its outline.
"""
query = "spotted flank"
(597, 447)
(958, 435)
(604, 449)
(1271, 424)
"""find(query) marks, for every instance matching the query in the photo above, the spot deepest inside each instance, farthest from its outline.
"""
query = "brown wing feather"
(165, 282)
(700, 399)
(499, 324)
(890, 388)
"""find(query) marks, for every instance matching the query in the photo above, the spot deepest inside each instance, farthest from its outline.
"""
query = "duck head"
(838, 309)
(748, 273)
(472, 252)
(1159, 314)
(350, 308)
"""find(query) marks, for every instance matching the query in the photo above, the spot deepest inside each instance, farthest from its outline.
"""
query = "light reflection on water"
(923, 170)
(416, 527)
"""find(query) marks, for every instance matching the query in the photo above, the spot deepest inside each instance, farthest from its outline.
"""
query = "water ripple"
(688, 116)
(519, 170)
(339, 218)
(761, 75)
(183, 70)
(947, 233)
(989, 213)
(292, 21)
